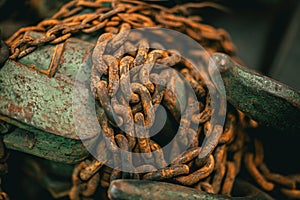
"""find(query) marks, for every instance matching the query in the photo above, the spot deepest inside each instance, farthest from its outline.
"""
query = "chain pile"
(105, 16)
(138, 94)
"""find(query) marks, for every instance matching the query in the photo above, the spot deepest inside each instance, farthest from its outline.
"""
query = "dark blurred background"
(267, 36)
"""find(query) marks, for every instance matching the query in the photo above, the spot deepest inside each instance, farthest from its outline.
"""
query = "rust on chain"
(277, 178)
(229, 129)
(106, 174)
(187, 156)
(107, 130)
(250, 165)
(146, 103)
(143, 135)
(204, 186)
(229, 178)
(292, 193)
(129, 93)
(84, 188)
(185, 133)
(220, 156)
(125, 66)
(158, 154)
(89, 171)
(128, 123)
(168, 172)
(63, 22)
(199, 174)
(124, 145)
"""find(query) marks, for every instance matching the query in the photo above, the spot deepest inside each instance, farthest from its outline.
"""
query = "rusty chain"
(85, 179)
(106, 15)
(267, 180)
(185, 169)
(136, 104)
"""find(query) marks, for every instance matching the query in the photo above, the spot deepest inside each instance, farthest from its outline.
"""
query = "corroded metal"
(148, 190)
(36, 96)
(42, 144)
(267, 101)
(48, 102)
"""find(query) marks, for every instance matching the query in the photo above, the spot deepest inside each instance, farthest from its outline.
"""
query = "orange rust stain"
(28, 115)
(45, 116)
(13, 108)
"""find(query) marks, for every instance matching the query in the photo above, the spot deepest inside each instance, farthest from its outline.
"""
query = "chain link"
(139, 93)
(254, 162)
(107, 14)
(115, 20)
(85, 179)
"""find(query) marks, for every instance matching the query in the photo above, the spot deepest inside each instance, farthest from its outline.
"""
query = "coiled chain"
(139, 92)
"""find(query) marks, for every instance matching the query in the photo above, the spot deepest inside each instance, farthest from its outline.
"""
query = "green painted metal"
(5, 127)
(75, 54)
(35, 99)
(36, 96)
(148, 190)
(33, 141)
(41, 57)
(267, 101)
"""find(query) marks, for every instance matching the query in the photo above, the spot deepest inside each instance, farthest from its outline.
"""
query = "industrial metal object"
(37, 80)
(36, 96)
(267, 101)
(133, 189)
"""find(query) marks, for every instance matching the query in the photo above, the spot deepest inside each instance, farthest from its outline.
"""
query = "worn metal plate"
(52, 147)
(42, 57)
(35, 99)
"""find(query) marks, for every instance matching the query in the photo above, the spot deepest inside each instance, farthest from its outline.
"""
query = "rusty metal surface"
(33, 141)
(267, 101)
(215, 172)
(35, 98)
(41, 58)
(45, 145)
(149, 190)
